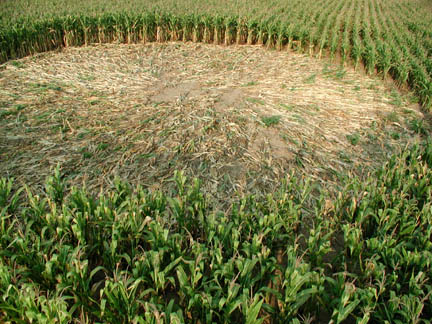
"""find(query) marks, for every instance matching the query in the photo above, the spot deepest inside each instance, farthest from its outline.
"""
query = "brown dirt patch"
(240, 118)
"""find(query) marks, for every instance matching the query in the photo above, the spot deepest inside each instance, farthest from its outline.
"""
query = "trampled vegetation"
(389, 37)
(237, 117)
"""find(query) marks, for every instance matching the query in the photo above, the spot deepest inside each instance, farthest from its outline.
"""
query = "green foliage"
(136, 256)
(354, 139)
(271, 120)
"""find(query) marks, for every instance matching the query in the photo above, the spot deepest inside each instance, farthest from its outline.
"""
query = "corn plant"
(45, 26)
(137, 256)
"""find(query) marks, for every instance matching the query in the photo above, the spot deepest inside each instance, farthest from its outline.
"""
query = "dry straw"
(239, 118)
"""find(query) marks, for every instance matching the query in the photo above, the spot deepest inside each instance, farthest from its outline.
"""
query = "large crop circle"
(239, 117)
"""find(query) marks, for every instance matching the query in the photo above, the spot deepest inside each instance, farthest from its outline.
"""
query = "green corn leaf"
(364, 320)
(221, 303)
(303, 297)
(182, 277)
(172, 265)
(253, 311)
(343, 314)
(232, 306)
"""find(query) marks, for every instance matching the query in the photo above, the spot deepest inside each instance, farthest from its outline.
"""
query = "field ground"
(240, 118)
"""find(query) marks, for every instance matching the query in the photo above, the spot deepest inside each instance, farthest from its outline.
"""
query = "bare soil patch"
(240, 118)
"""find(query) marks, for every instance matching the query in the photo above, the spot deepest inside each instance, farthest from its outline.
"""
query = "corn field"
(136, 256)
(359, 253)
(387, 37)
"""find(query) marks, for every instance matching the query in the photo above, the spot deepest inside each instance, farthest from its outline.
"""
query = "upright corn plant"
(387, 222)
(371, 40)
(137, 256)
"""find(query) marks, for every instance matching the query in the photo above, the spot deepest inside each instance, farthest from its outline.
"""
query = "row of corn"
(367, 31)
